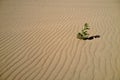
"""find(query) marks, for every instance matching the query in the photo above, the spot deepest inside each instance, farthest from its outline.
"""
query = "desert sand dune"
(38, 40)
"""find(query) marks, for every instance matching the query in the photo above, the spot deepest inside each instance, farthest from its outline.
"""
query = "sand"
(38, 40)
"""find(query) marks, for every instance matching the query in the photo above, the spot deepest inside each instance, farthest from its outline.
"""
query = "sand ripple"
(38, 40)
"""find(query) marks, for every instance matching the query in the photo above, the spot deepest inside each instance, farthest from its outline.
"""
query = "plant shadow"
(92, 37)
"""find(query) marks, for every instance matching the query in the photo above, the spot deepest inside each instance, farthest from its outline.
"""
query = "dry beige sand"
(38, 40)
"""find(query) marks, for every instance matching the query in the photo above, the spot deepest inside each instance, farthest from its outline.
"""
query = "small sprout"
(84, 34)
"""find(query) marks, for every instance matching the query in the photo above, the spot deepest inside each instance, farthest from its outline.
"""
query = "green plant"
(84, 32)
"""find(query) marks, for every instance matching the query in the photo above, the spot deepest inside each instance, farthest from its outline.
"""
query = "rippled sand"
(38, 40)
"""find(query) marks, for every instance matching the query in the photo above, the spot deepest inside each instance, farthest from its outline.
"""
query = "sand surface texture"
(38, 40)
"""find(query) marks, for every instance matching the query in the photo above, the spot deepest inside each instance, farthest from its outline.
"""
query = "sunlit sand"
(38, 40)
